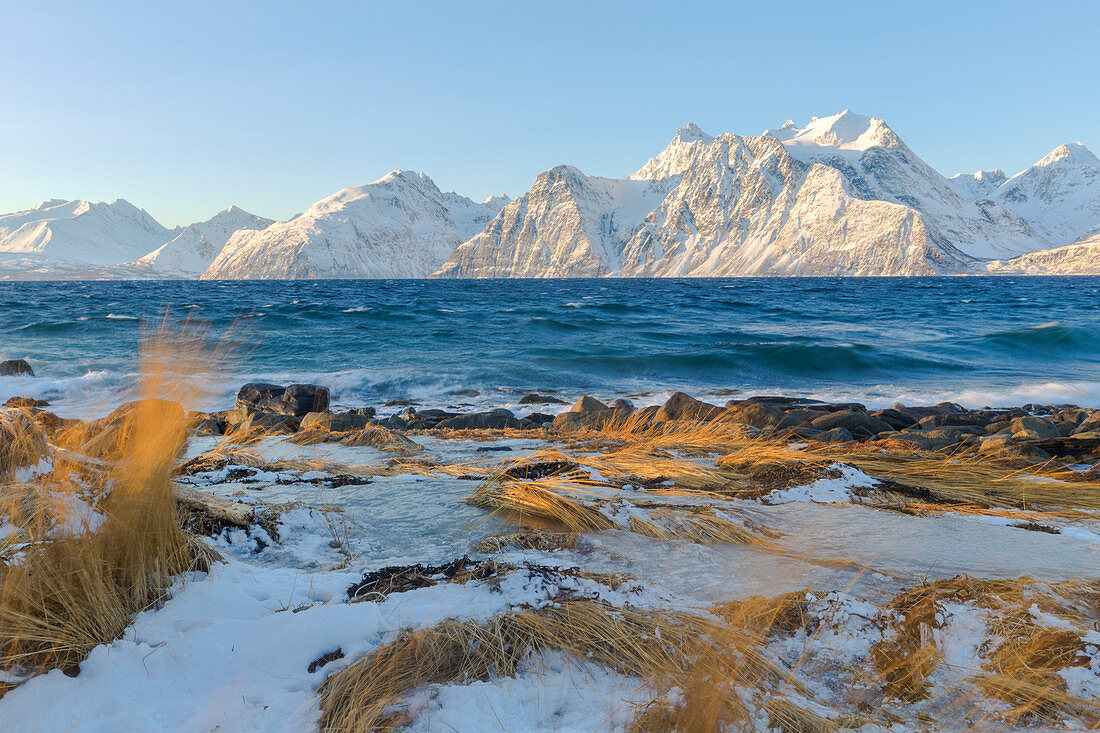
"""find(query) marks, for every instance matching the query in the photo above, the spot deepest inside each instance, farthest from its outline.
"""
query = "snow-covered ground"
(238, 648)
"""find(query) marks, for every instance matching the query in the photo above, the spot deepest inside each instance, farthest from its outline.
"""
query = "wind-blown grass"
(72, 585)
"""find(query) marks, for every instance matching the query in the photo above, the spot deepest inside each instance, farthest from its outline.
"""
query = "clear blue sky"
(186, 107)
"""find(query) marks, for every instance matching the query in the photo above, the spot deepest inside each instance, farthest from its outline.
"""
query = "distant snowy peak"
(1075, 151)
(691, 133)
(401, 225)
(191, 252)
(76, 234)
(977, 185)
(844, 131)
(842, 195)
(1059, 195)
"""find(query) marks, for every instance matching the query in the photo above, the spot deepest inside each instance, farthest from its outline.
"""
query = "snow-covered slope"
(401, 225)
(73, 238)
(1059, 195)
(978, 185)
(190, 253)
(840, 196)
(1080, 258)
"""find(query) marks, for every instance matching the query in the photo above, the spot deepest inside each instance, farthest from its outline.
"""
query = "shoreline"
(336, 549)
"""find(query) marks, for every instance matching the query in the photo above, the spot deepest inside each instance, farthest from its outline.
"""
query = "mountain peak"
(1074, 151)
(690, 133)
(846, 130)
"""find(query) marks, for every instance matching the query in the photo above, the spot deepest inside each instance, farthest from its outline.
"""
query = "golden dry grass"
(972, 480)
(703, 658)
(1023, 655)
(68, 593)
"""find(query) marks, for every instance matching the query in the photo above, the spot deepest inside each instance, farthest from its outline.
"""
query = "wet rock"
(210, 426)
(931, 440)
(757, 414)
(377, 584)
(267, 423)
(15, 367)
(539, 418)
(492, 420)
(775, 400)
(1023, 452)
(897, 419)
(1034, 428)
(26, 402)
(534, 398)
(1065, 427)
(681, 406)
(432, 416)
(296, 399)
(393, 423)
(364, 411)
(587, 403)
(333, 422)
(856, 423)
(994, 444)
(834, 435)
(621, 404)
(324, 659)
(590, 419)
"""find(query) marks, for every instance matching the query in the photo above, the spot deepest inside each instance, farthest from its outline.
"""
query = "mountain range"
(842, 195)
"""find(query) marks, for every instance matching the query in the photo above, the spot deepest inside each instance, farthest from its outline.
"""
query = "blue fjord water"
(980, 341)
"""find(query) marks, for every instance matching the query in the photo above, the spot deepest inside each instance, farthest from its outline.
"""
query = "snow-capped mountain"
(192, 251)
(61, 238)
(1059, 195)
(1079, 258)
(841, 196)
(401, 225)
(978, 185)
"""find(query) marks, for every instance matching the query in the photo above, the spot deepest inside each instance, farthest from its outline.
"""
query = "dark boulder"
(897, 419)
(592, 419)
(834, 435)
(857, 423)
(587, 403)
(334, 422)
(296, 399)
(681, 406)
(534, 398)
(760, 415)
(26, 402)
(539, 418)
(492, 420)
(15, 367)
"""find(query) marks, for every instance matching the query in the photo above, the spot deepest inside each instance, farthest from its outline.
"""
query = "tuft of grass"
(70, 591)
(970, 479)
(694, 653)
(527, 539)
(543, 499)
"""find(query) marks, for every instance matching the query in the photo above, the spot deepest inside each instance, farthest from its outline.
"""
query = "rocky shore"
(1029, 433)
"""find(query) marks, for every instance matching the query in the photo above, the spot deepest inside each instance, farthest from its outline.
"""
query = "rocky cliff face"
(401, 225)
(1079, 258)
(841, 196)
